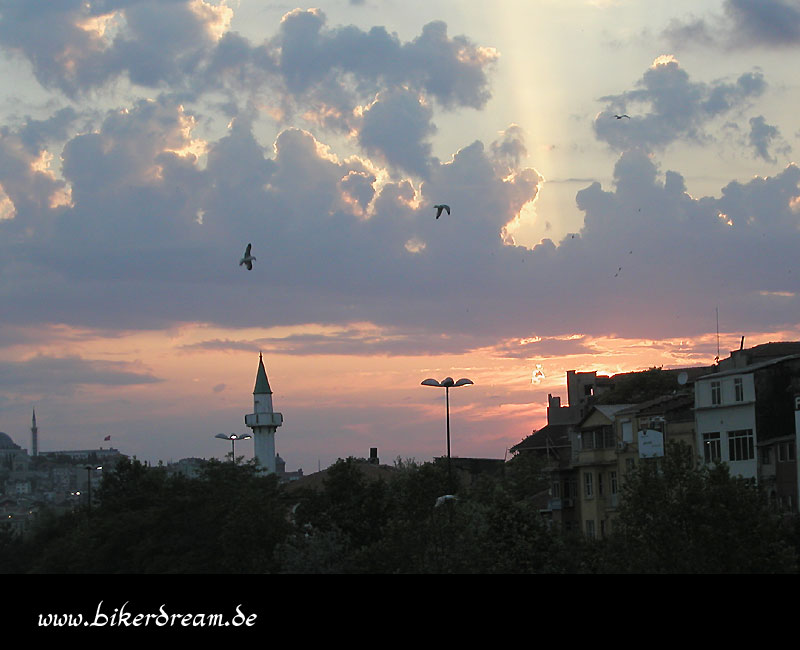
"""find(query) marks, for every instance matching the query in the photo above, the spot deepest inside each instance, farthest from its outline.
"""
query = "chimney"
(373, 455)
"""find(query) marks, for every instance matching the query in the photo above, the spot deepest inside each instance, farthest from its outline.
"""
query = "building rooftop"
(6, 442)
(752, 367)
(550, 436)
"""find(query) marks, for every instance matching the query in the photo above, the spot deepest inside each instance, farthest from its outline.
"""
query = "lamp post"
(89, 469)
(447, 383)
(233, 437)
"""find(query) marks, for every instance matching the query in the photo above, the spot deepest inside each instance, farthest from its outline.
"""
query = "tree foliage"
(231, 519)
(638, 387)
(677, 518)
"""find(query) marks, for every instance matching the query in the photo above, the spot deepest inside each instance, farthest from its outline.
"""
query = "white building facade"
(725, 421)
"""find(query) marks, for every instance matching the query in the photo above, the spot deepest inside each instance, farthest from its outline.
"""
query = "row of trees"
(232, 520)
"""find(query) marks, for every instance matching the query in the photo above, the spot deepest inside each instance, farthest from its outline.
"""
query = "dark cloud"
(765, 22)
(690, 32)
(451, 70)
(335, 247)
(153, 230)
(64, 375)
(77, 46)
(26, 179)
(38, 134)
(509, 151)
(667, 106)
(742, 24)
(396, 127)
(352, 340)
(538, 347)
(762, 136)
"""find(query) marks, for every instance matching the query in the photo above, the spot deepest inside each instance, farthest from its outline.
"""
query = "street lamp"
(233, 437)
(447, 383)
(89, 469)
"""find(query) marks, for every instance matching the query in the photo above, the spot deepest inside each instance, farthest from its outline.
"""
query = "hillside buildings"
(744, 411)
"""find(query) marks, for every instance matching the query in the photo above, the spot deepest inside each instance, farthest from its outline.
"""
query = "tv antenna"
(716, 359)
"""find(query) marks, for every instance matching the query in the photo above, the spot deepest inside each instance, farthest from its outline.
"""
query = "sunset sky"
(144, 143)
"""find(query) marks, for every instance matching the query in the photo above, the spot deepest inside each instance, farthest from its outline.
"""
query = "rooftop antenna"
(716, 359)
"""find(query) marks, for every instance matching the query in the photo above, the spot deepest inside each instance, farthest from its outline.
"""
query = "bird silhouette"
(439, 209)
(619, 117)
(248, 259)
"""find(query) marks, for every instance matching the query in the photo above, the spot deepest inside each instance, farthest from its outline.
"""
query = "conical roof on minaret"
(262, 383)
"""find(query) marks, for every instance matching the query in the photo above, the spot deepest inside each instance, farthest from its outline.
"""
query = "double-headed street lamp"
(447, 383)
(233, 437)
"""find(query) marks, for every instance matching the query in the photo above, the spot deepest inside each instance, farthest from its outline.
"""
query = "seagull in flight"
(439, 209)
(619, 117)
(248, 259)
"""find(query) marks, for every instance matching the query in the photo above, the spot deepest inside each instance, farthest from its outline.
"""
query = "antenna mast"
(716, 359)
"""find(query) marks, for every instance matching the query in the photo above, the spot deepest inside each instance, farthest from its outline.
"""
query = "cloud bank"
(743, 24)
(143, 223)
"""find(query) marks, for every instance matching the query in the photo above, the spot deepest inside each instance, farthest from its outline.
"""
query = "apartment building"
(747, 415)
(745, 412)
(615, 439)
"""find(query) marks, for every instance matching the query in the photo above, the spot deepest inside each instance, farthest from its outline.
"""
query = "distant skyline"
(144, 143)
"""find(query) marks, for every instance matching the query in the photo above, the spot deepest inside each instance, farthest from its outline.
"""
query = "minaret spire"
(264, 421)
(34, 435)
(262, 383)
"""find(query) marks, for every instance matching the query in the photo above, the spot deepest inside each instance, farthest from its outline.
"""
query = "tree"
(677, 518)
(228, 520)
(637, 387)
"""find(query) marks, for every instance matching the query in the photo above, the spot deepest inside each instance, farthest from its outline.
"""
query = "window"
(711, 447)
(613, 480)
(740, 445)
(738, 389)
(587, 484)
(766, 455)
(627, 431)
(590, 528)
(716, 393)
(655, 423)
(601, 438)
(599, 484)
(555, 490)
(786, 451)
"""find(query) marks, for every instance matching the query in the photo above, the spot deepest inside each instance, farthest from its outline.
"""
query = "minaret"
(34, 436)
(263, 421)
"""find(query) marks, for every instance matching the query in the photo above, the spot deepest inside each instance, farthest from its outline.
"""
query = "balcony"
(263, 420)
(604, 456)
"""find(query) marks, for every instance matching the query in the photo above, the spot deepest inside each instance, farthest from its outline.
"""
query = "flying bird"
(248, 259)
(619, 117)
(439, 209)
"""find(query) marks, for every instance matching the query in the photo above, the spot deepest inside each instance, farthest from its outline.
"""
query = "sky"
(144, 143)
